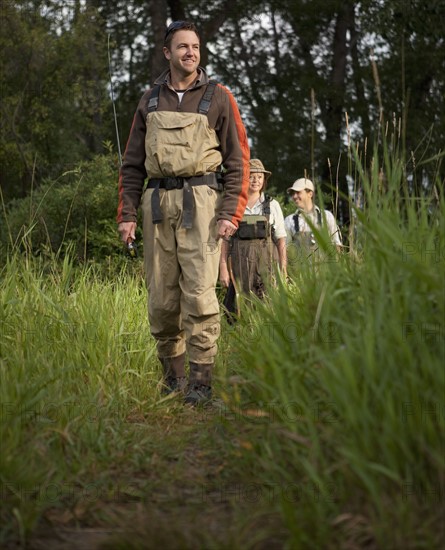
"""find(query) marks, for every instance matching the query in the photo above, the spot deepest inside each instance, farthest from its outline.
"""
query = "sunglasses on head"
(175, 26)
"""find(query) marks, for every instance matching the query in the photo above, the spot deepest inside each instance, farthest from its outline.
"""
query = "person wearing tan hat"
(298, 225)
(261, 232)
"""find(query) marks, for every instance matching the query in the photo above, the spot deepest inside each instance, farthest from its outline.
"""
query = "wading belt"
(186, 185)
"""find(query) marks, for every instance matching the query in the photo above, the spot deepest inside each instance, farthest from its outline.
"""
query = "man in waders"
(298, 225)
(185, 129)
(247, 260)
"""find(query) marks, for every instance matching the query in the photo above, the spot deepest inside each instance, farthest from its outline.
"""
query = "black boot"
(174, 374)
(199, 390)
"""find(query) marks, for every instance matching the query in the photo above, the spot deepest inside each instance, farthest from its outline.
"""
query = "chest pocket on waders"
(253, 227)
(181, 144)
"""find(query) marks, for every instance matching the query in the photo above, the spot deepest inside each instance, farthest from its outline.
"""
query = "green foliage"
(332, 423)
(72, 357)
(344, 368)
(85, 434)
(293, 75)
(76, 211)
(55, 104)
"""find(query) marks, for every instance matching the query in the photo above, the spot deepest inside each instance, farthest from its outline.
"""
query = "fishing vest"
(180, 144)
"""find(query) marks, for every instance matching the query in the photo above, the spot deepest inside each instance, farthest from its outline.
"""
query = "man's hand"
(225, 229)
(127, 231)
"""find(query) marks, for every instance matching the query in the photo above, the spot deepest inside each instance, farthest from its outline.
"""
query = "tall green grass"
(86, 438)
(334, 390)
(77, 369)
(345, 370)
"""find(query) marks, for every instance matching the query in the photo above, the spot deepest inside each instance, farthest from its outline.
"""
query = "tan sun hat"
(300, 184)
(257, 166)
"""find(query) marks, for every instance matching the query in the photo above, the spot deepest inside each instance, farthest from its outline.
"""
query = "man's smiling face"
(303, 199)
(184, 54)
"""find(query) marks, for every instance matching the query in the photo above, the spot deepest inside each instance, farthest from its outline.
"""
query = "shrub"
(76, 211)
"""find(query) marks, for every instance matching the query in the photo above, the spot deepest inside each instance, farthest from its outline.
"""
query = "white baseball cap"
(300, 184)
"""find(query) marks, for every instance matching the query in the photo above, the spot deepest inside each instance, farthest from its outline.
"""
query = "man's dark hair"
(178, 26)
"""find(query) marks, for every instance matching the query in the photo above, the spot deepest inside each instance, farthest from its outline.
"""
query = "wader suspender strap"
(297, 223)
(153, 100)
(266, 213)
(188, 202)
(156, 213)
(266, 206)
(204, 104)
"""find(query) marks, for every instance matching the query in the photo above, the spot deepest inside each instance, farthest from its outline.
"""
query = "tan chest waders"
(181, 151)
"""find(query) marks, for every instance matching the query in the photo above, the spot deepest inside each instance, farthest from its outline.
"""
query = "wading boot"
(174, 374)
(199, 390)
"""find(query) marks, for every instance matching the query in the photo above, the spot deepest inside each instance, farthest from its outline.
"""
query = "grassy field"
(327, 430)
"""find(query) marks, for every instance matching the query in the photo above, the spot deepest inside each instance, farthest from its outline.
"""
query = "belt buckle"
(171, 183)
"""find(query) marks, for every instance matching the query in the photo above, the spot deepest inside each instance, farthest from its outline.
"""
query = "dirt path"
(193, 494)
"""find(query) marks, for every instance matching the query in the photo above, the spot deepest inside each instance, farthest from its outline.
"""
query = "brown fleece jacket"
(224, 118)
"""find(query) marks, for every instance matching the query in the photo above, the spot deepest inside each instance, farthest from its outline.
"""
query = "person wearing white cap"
(248, 257)
(298, 225)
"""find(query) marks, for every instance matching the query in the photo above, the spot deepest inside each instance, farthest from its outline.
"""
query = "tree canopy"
(309, 76)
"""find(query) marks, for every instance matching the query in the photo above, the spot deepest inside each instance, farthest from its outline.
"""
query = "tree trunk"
(362, 102)
(334, 116)
(177, 11)
(336, 92)
(157, 61)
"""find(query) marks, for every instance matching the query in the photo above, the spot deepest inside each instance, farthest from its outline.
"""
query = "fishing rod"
(114, 105)
(131, 248)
